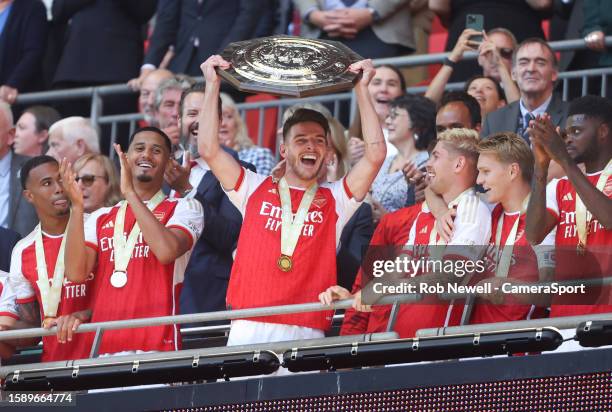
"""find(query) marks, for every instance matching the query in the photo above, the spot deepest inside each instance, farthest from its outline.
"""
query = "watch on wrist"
(375, 15)
(448, 62)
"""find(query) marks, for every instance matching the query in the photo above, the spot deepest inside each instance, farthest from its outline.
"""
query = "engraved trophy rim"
(289, 66)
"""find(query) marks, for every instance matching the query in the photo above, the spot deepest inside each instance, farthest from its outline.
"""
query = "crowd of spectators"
(207, 211)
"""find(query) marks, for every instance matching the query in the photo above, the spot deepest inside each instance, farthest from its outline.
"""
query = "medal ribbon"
(505, 257)
(50, 295)
(292, 226)
(583, 216)
(123, 247)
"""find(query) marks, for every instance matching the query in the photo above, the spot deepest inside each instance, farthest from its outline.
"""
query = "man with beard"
(208, 270)
(579, 206)
(37, 267)
(283, 259)
(139, 247)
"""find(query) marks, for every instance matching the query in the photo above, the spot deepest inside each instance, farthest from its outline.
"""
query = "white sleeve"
(346, 205)
(91, 225)
(189, 216)
(19, 284)
(551, 196)
(545, 251)
(472, 229)
(247, 183)
(8, 298)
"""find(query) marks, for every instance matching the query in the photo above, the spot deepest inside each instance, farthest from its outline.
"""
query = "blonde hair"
(461, 140)
(510, 148)
(114, 192)
(337, 133)
(242, 139)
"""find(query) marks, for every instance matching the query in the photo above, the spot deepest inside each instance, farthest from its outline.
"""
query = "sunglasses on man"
(505, 52)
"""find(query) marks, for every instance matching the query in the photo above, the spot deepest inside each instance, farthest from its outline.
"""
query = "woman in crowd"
(487, 91)
(98, 180)
(32, 130)
(411, 127)
(233, 134)
(387, 84)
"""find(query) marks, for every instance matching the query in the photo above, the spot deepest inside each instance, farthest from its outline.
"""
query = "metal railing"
(98, 93)
(101, 327)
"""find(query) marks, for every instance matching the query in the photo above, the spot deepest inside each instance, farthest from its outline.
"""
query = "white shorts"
(246, 332)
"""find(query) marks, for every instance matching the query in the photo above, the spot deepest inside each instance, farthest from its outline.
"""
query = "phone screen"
(475, 22)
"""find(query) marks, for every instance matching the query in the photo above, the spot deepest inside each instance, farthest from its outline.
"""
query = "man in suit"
(198, 29)
(535, 69)
(22, 46)
(15, 212)
(8, 240)
(373, 29)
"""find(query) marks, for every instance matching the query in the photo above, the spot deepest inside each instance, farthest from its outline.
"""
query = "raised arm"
(439, 82)
(595, 200)
(361, 176)
(79, 259)
(223, 165)
(167, 244)
(538, 221)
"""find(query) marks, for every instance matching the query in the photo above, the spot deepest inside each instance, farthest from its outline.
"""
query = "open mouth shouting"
(309, 159)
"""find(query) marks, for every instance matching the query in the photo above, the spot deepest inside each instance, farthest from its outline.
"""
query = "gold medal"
(284, 263)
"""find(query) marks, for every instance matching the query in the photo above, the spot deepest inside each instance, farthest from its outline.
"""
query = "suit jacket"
(22, 217)
(8, 240)
(394, 26)
(22, 45)
(354, 239)
(210, 264)
(103, 40)
(506, 119)
(199, 29)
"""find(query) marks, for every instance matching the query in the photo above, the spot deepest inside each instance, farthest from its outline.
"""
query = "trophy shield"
(289, 66)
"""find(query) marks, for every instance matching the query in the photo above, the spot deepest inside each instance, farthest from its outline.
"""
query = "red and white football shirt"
(8, 305)
(75, 296)
(524, 267)
(152, 288)
(472, 232)
(393, 230)
(256, 280)
(561, 203)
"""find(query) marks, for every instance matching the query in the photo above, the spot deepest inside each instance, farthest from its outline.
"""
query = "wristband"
(448, 62)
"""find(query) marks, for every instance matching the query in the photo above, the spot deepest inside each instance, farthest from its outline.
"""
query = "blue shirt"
(5, 192)
(4, 16)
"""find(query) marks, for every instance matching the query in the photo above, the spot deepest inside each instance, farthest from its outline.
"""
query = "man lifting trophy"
(286, 251)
